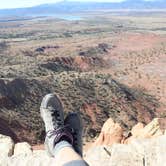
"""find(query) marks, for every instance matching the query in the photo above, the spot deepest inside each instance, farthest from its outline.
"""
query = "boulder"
(135, 133)
(6, 146)
(137, 129)
(99, 155)
(111, 133)
(22, 148)
(153, 150)
(154, 129)
(141, 152)
(125, 155)
(161, 150)
(38, 157)
(3, 160)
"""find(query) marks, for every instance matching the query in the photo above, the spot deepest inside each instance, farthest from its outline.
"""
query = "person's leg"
(59, 139)
(68, 155)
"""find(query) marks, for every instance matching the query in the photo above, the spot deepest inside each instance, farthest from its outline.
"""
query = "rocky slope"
(69, 64)
(112, 132)
(95, 96)
(139, 152)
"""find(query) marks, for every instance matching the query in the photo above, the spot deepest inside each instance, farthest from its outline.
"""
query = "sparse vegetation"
(104, 66)
(3, 46)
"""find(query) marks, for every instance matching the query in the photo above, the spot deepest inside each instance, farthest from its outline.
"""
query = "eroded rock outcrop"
(153, 129)
(77, 63)
(111, 133)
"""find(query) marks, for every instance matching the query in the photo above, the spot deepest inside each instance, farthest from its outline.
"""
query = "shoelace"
(56, 120)
(59, 133)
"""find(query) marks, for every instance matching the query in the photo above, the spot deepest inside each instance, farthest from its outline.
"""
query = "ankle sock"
(60, 145)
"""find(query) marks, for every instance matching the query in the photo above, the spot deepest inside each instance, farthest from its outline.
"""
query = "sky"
(28, 3)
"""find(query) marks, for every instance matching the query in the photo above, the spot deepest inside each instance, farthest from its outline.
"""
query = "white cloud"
(23, 3)
(99, 0)
(29, 3)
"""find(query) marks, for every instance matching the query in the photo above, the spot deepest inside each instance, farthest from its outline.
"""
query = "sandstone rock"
(136, 132)
(98, 156)
(3, 160)
(153, 150)
(111, 133)
(137, 129)
(141, 152)
(6, 145)
(22, 148)
(125, 155)
(153, 129)
(161, 150)
(37, 158)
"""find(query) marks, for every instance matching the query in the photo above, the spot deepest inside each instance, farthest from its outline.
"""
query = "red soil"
(139, 60)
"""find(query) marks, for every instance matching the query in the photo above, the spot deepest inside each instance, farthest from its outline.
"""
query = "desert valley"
(102, 64)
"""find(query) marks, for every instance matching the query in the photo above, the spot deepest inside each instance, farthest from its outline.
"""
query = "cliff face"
(95, 96)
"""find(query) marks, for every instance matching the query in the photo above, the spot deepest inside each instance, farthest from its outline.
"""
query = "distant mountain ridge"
(71, 7)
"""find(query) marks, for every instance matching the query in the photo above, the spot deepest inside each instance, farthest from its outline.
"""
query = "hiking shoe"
(51, 111)
(74, 122)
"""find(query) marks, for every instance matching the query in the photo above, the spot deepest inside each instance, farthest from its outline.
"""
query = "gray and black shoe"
(51, 111)
(74, 122)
